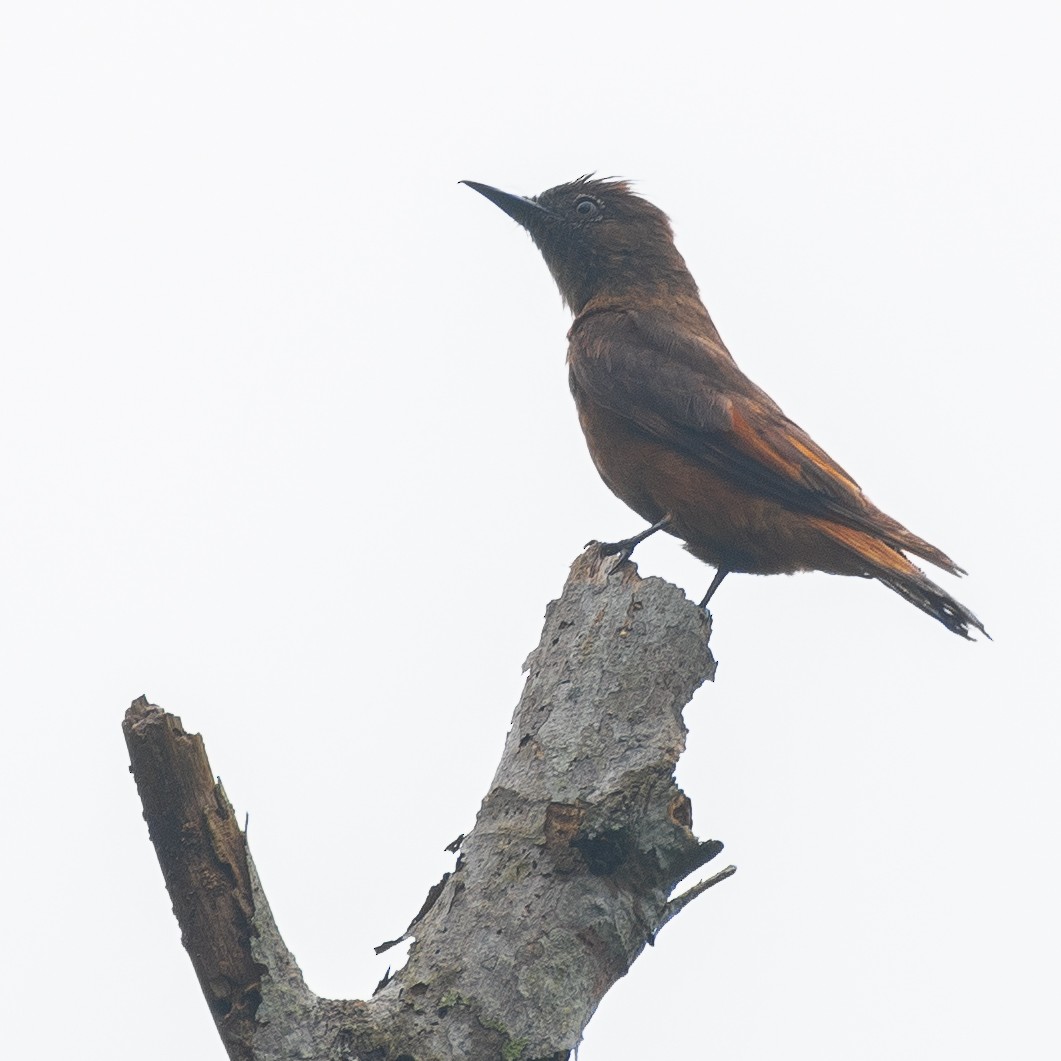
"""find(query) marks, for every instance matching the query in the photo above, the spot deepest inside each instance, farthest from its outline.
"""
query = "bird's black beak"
(526, 211)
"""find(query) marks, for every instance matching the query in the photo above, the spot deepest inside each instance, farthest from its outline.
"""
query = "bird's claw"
(622, 551)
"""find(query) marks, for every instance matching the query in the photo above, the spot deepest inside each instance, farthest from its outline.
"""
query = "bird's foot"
(624, 549)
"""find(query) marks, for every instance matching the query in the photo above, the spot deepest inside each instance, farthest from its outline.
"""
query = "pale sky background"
(288, 446)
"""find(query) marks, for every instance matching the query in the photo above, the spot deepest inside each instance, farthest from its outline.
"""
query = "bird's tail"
(923, 593)
(888, 565)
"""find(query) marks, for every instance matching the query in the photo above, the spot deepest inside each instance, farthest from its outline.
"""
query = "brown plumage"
(679, 433)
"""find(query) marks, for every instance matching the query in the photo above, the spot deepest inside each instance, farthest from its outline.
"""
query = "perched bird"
(679, 433)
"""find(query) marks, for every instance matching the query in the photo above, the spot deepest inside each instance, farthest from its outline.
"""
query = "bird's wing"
(688, 393)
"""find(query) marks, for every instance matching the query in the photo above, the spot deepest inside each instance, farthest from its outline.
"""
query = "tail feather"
(923, 593)
(884, 562)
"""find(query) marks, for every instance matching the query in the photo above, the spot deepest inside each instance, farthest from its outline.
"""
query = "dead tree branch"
(567, 874)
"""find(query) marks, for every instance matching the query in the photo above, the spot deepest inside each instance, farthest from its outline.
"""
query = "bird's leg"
(626, 547)
(720, 574)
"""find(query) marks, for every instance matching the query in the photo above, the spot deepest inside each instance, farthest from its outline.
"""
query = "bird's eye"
(587, 208)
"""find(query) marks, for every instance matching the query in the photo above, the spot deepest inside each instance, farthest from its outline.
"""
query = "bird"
(679, 433)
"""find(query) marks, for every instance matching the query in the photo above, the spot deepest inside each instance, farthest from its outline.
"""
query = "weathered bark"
(565, 877)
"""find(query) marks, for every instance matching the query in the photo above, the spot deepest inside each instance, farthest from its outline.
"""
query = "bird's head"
(598, 238)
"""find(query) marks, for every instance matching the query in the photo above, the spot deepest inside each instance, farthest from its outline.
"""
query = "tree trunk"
(567, 874)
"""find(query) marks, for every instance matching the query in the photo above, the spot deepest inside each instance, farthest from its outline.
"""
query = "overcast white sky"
(287, 446)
